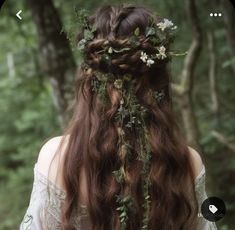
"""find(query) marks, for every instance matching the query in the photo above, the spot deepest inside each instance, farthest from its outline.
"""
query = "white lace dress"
(44, 213)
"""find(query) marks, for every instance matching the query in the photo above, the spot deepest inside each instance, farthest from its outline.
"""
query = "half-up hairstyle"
(94, 132)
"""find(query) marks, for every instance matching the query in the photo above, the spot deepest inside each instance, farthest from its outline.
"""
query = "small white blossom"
(162, 52)
(149, 62)
(165, 24)
(143, 56)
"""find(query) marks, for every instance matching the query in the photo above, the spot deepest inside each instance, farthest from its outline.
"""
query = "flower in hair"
(159, 95)
(150, 62)
(81, 44)
(162, 52)
(143, 56)
(118, 83)
(165, 24)
(122, 101)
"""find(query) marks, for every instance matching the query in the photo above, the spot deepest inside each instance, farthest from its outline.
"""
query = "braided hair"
(123, 131)
(109, 34)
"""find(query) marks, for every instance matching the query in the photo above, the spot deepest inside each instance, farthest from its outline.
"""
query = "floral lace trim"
(200, 175)
(58, 193)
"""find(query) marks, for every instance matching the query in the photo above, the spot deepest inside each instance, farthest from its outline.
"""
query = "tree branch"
(184, 89)
(224, 140)
(194, 49)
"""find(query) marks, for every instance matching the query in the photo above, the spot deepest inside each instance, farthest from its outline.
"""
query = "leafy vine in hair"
(130, 113)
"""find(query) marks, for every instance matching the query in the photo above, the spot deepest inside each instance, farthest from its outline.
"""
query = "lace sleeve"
(202, 224)
(43, 212)
(36, 218)
(33, 217)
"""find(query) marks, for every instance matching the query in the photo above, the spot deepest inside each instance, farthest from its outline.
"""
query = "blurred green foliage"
(28, 117)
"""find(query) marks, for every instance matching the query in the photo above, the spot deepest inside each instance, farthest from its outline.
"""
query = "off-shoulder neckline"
(63, 193)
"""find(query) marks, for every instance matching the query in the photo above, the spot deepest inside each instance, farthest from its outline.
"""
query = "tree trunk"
(189, 121)
(185, 88)
(229, 20)
(57, 60)
(212, 75)
(11, 65)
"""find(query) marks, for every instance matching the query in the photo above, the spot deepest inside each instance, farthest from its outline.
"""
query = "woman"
(121, 164)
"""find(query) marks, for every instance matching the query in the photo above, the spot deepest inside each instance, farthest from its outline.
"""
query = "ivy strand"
(130, 115)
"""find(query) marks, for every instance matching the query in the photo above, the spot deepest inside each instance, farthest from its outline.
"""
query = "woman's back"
(48, 152)
(44, 212)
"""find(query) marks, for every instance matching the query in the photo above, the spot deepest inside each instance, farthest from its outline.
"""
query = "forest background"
(37, 68)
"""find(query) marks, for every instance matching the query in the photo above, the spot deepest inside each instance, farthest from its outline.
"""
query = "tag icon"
(213, 209)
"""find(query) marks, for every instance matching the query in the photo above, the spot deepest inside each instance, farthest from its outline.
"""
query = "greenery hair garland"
(130, 114)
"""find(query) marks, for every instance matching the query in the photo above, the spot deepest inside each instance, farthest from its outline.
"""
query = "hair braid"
(117, 14)
(123, 62)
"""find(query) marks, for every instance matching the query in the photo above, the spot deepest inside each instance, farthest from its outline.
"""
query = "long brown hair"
(93, 136)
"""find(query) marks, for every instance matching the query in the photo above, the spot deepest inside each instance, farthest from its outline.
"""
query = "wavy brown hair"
(93, 134)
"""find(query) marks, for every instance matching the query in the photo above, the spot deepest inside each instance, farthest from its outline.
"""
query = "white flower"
(165, 24)
(149, 62)
(143, 56)
(162, 52)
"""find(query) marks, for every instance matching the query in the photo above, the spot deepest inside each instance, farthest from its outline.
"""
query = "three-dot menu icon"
(216, 14)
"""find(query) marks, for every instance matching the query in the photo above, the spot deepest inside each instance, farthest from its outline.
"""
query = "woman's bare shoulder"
(196, 161)
(51, 153)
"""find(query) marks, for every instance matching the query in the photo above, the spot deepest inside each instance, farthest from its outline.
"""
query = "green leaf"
(155, 40)
(146, 198)
(120, 208)
(134, 41)
(106, 59)
(149, 31)
(88, 35)
(123, 214)
(82, 17)
(161, 36)
(93, 29)
(137, 31)
(123, 219)
(110, 50)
